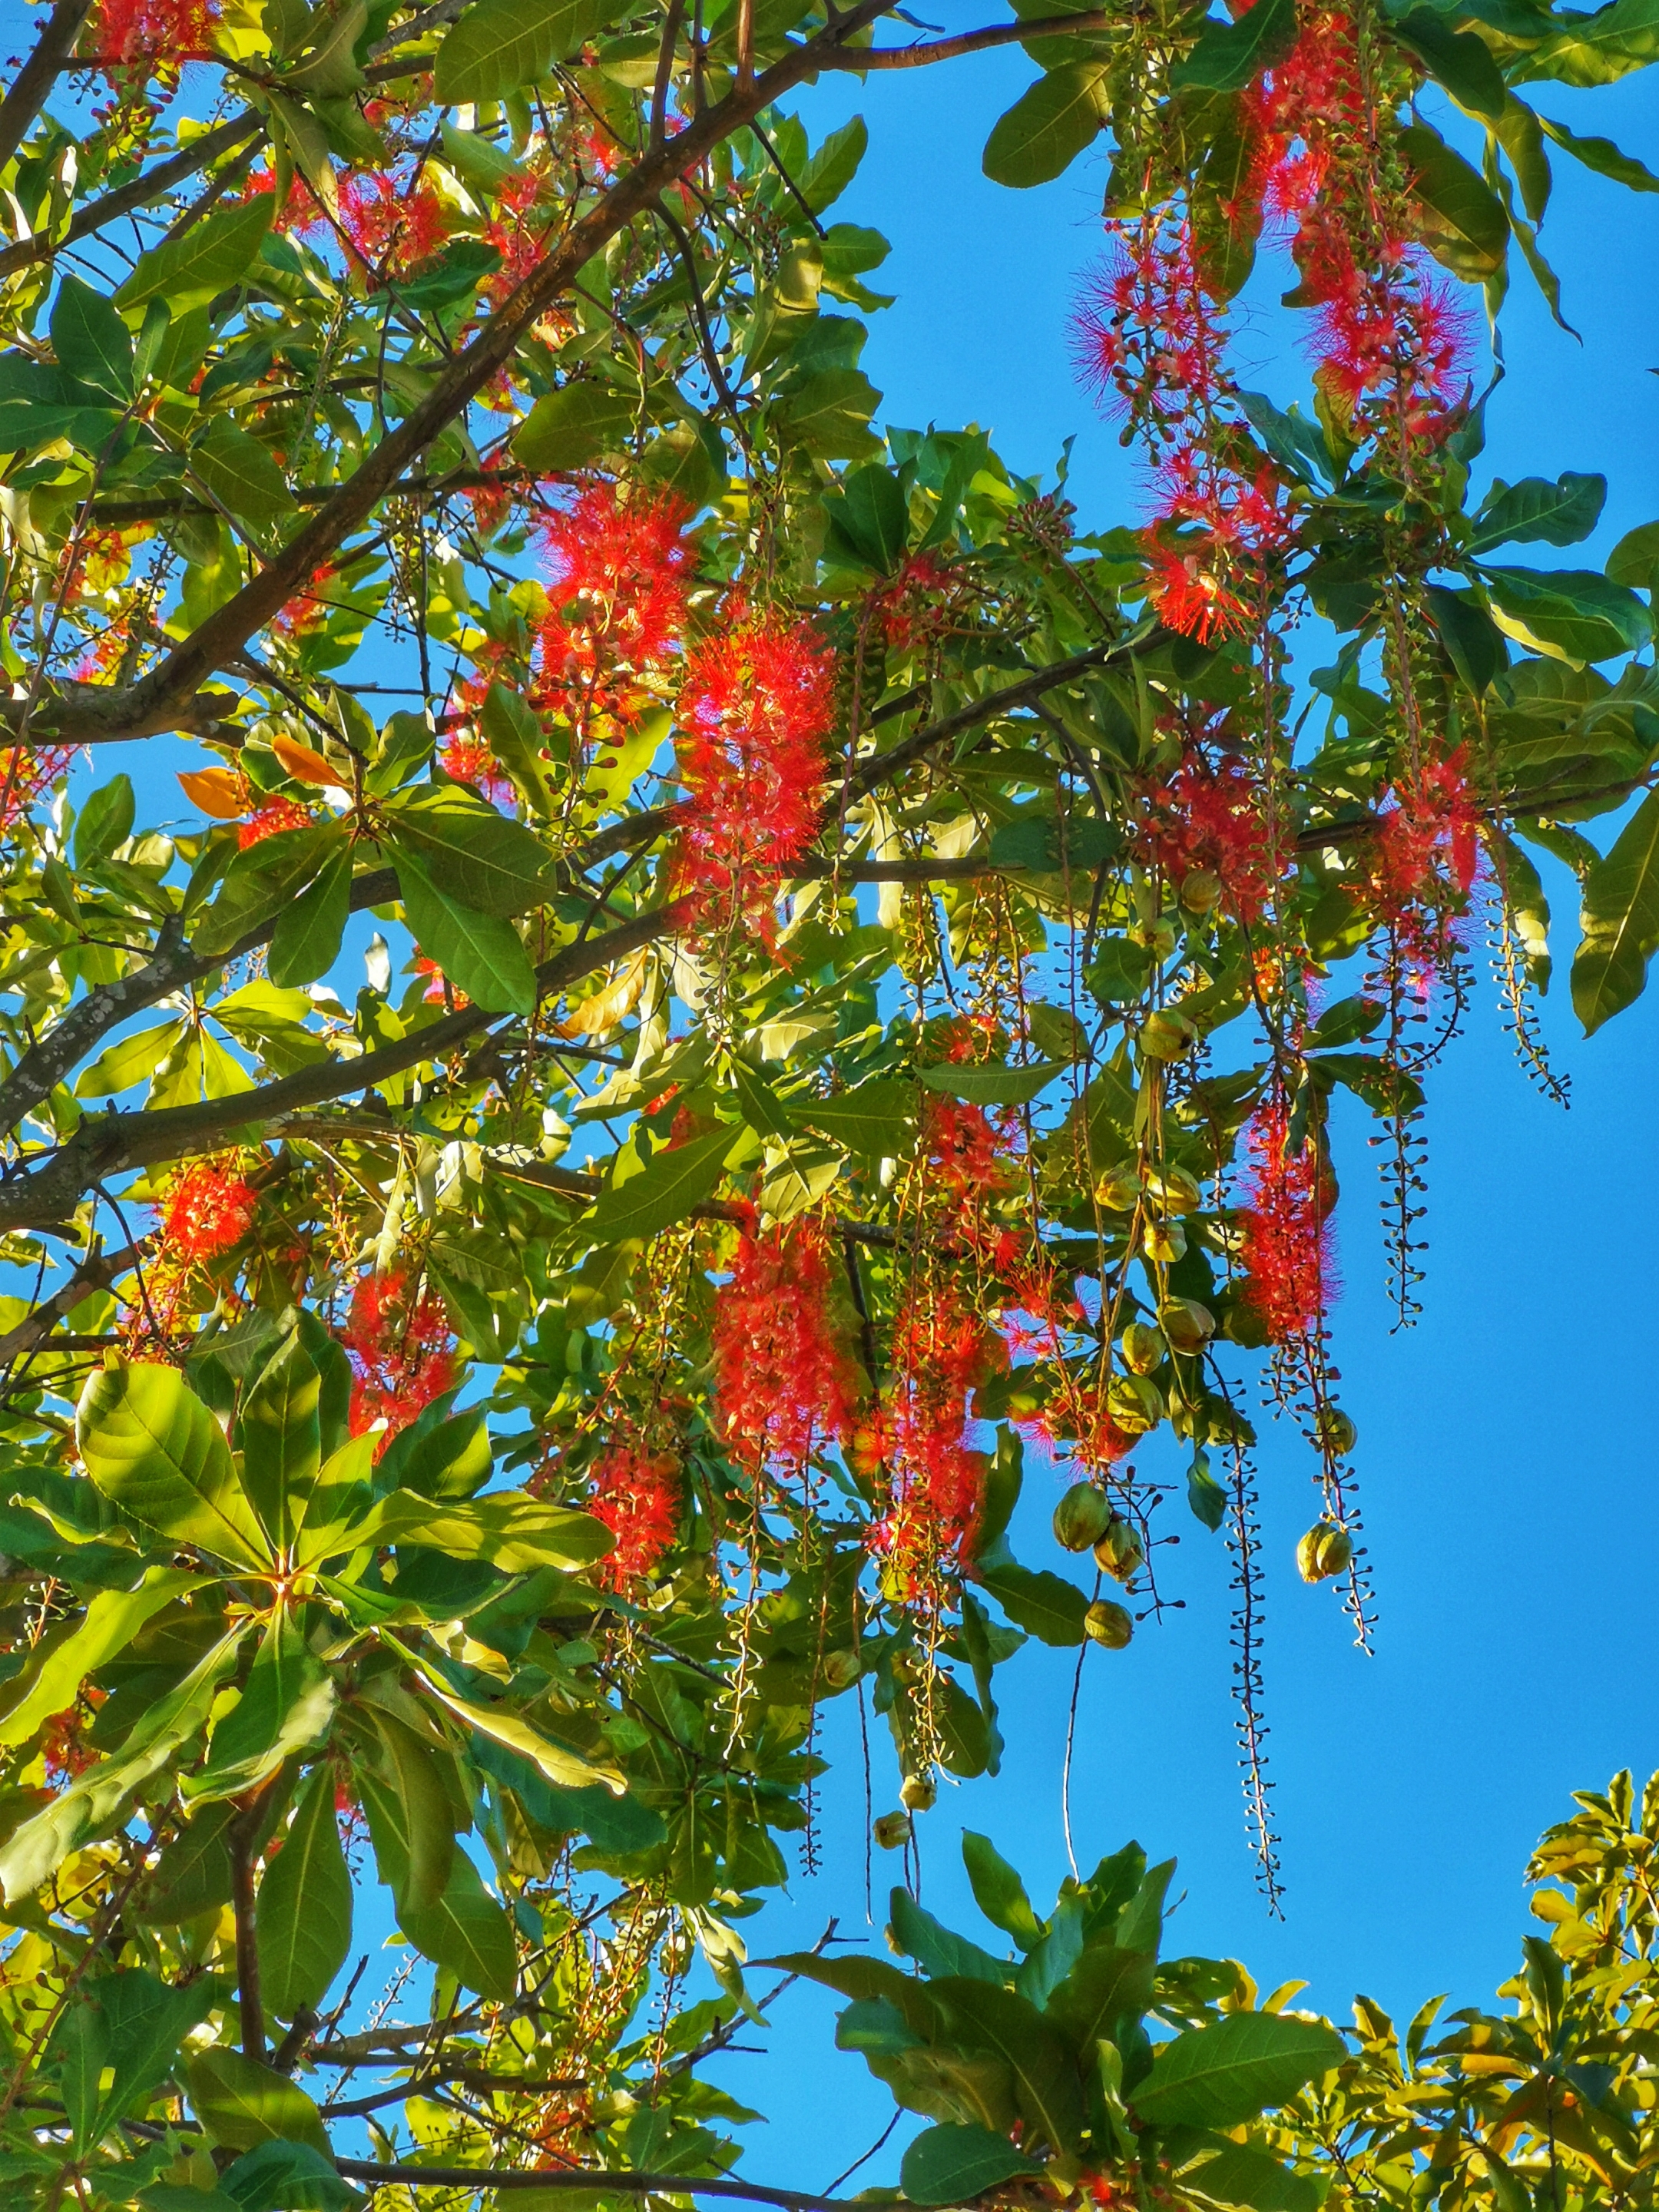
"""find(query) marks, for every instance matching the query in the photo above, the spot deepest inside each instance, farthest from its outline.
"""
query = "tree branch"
(593, 2178)
(975, 42)
(35, 79)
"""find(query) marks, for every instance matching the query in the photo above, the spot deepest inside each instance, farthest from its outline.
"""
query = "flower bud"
(1082, 1517)
(1119, 1552)
(1200, 890)
(1325, 1551)
(1108, 1623)
(917, 1793)
(1165, 1242)
(1336, 1430)
(1134, 1403)
(1188, 1326)
(892, 1830)
(1118, 1189)
(1165, 1036)
(1143, 1348)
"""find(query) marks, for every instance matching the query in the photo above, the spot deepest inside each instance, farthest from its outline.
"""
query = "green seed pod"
(1325, 1551)
(1200, 890)
(917, 1793)
(1108, 1623)
(1336, 1430)
(1178, 1190)
(1118, 1189)
(1165, 1242)
(1134, 1403)
(1119, 1552)
(840, 1670)
(1188, 1326)
(1165, 1036)
(1143, 1348)
(1082, 1517)
(892, 1830)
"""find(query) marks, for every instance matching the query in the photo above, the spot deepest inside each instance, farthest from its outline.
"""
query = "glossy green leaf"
(1573, 614)
(241, 2103)
(304, 1911)
(1560, 514)
(998, 1890)
(952, 2164)
(154, 1449)
(499, 45)
(1047, 2086)
(1621, 921)
(478, 954)
(1051, 123)
(1231, 55)
(988, 1083)
(286, 1706)
(1462, 62)
(90, 340)
(1463, 219)
(280, 1431)
(238, 474)
(63, 1658)
(671, 1183)
(306, 941)
(936, 1949)
(1234, 2174)
(1233, 2068)
(209, 257)
(569, 428)
(473, 854)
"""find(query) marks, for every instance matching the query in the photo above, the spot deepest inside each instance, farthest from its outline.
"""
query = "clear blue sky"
(1506, 1451)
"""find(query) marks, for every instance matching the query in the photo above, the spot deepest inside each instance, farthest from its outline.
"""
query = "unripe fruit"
(917, 1793)
(1200, 890)
(1108, 1623)
(1178, 1190)
(1165, 1036)
(1165, 1242)
(1118, 1189)
(892, 1830)
(1134, 1403)
(1143, 1348)
(1188, 1326)
(1082, 1517)
(841, 1669)
(1336, 1430)
(1158, 937)
(1325, 1551)
(1119, 1552)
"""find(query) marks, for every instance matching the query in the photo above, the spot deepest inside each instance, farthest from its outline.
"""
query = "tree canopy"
(724, 974)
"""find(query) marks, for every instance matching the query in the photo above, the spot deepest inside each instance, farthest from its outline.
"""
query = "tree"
(908, 913)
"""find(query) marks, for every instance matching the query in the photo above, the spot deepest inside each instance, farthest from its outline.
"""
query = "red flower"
(637, 1496)
(207, 1208)
(269, 818)
(617, 589)
(26, 773)
(757, 709)
(470, 760)
(1209, 817)
(942, 1350)
(1288, 1256)
(402, 1351)
(433, 992)
(1145, 337)
(392, 226)
(167, 32)
(782, 1381)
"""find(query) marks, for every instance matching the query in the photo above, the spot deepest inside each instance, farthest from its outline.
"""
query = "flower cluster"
(636, 1493)
(942, 1350)
(207, 1210)
(26, 772)
(783, 1383)
(755, 710)
(1205, 819)
(133, 34)
(616, 587)
(401, 1348)
(269, 818)
(1288, 1257)
(392, 227)
(1423, 860)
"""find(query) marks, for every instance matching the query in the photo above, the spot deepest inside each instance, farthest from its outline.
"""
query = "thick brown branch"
(95, 1274)
(34, 80)
(121, 514)
(976, 42)
(591, 2178)
(150, 186)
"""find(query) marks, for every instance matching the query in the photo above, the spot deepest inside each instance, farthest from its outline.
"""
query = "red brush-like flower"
(942, 1350)
(1288, 1254)
(617, 583)
(636, 1494)
(402, 1351)
(135, 32)
(270, 816)
(208, 1209)
(392, 226)
(1208, 817)
(1188, 586)
(470, 760)
(756, 711)
(26, 773)
(782, 1380)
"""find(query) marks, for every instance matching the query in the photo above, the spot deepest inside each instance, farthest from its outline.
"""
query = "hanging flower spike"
(150, 33)
(402, 1351)
(942, 1350)
(636, 1494)
(26, 773)
(757, 710)
(1288, 1246)
(1207, 818)
(208, 1209)
(783, 1383)
(269, 818)
(616, 587)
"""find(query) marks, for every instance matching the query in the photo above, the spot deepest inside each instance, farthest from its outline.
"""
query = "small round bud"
(1200, 890)
(1143, 1348)
(1165, 1036)
(841, 1669)
(892, 1830)
(1108, 1623)
(1325, 1551)
(1165, 1242)
(1336, 1430)
(1082, 1517)
(1118, 1189)
(1188, 1326)
(1119, 1552)
(917, 1793)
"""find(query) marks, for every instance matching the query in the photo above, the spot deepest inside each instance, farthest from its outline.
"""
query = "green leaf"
(1051, 123)
(263, 880)
(1621, 921)
(999, 1891)
(516, 1533)
(991, 1084)
(286, 2177)
(1464, 224)
(212, 256)
(193, 1874)
(876, 1120)
(303, 1918)
(468, 1933)
(870, 516)
(1047, 1605)
(1235, 2173)
(1385, 1089)
(1108, 1985)
(306, 942)
(286, 1706)
(936, 1949)
(62, 1661)
(128, 1062)
(480, 954)
(1604, 156)
(1560, 513)
(516, 737)
(1234, 2068)
(90, 340)
(242, 2103)
(1473, 642)
(154, 1449)
(473, 854)
(281, 1434)
(569, 428)
(829, 414)
(1046, 2084)
(1573, 614)
(1635, 559)
(499, 45)
(953, 2163)
(104, 821)
(1460, 61)
(238, 474)
(664, 1190)
(1230, 55)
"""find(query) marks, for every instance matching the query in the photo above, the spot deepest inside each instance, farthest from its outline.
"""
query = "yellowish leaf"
(215, 791)
(304, 765)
